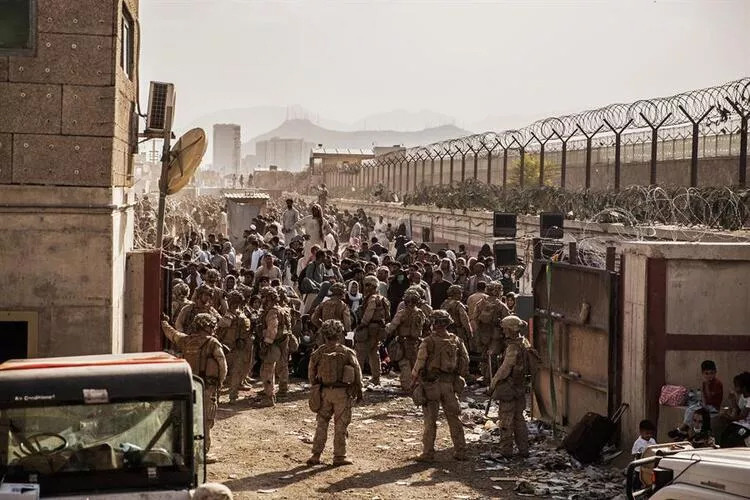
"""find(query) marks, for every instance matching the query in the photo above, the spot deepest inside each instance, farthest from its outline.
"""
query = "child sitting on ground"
(646, 431)
(712, 394)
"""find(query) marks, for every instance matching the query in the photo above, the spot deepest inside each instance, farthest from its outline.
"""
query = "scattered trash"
(233, 476)
(402, 483)
(268, 491)
(288, 476)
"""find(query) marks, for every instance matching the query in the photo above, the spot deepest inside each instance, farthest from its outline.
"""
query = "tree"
(531, 171)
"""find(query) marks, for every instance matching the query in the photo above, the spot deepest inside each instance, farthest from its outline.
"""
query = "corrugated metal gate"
(583, 350)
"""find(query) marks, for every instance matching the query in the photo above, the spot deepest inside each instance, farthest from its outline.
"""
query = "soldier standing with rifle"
(509, 386)
(235, 332)
(333, 308)
(457, 310)
(407, 324)
(206, 357)
(371, 329)
(336, 381)
(442, 362)
(274, 346)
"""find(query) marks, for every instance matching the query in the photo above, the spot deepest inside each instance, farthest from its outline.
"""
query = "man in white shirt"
(268, 270)
(289, 218)
(256, 255)
(356, 233)
(380, 230)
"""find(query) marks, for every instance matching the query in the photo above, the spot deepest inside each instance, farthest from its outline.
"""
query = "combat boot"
(338, 461)
(314, 459)
(459, 455)
(425, 457)
(268, 402)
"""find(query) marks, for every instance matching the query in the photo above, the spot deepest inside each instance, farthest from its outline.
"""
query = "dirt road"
(262, 453)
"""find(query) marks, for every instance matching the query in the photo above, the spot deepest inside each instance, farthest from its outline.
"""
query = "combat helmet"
(235, 297)
(332, 329)
(418, 290)
(203, 322)
(411, 297)
(455, 291)
(371, 281)
(494, 288)
(212, 275)
(441, 317)
(269, 293)
(512, 325)
(180, 290)
(337, 289)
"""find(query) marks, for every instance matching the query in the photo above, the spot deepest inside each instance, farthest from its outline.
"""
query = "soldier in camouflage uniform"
(274, 346)
(371, 329)
(442, 362)
(206, 357)
(213, 279)
(461, 324)
(335, 373)
(180, 292)
(202, 303)
(407, 324)
(333, 308)
(489, 336)
(235, 332)
(509, 385)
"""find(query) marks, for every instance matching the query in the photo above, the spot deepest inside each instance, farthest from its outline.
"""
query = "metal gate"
(576, 332)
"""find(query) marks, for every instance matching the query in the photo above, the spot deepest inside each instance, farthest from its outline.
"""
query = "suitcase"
(587, 438)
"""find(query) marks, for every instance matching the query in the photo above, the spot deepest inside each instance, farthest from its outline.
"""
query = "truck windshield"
(56, 440)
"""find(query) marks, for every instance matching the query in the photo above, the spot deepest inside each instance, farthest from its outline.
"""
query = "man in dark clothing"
(439, 289)
(376, 247)
(396, 289)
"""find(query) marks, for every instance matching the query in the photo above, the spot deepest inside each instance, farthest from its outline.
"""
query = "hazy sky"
(468, 59)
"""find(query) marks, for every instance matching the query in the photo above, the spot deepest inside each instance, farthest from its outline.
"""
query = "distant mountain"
(358, 139)
(404, 120)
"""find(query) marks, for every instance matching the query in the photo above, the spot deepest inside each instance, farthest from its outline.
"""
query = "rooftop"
(342, 152)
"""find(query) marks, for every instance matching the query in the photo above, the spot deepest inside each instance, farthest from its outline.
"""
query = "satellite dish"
(184, 159)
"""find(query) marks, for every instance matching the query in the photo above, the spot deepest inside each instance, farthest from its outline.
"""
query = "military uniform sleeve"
(509, 361)
(357, 369)
(369, 310)
(396, 321)
(272, 327)
(221, 360)
(463, 359)
(315, 318)
(312, 366)
(181, 317)
(421, 358)
(172, 334)
(347, 318)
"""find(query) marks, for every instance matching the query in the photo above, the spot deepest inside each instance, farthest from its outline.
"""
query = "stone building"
(68, 128)
(286, 154)
(227, 143)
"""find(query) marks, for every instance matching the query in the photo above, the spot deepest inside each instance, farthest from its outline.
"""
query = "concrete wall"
(66, 137)
(696, 307)
(59, 258)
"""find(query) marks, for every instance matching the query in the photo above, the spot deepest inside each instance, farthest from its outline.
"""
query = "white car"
(678, 471)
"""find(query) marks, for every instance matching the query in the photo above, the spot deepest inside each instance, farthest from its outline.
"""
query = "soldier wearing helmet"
(509, 386)
(407, 325)
(206, 357)
(180, 292)
(202, 303)
(336, 379)
(371, 329)
(213, 280)
(488, 335)
(333, 308)
(453, 305)
(235, 332)
(423, 306)
(442, 362)
(274, 346)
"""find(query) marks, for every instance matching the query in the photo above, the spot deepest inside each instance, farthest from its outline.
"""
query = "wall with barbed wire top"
(696, 138)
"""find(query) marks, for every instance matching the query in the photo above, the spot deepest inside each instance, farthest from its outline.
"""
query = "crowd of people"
(341, 299)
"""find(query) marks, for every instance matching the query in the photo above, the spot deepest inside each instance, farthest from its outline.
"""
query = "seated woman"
(737, 416)
(699, 433)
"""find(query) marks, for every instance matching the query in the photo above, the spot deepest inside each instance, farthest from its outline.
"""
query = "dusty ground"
(262, 454)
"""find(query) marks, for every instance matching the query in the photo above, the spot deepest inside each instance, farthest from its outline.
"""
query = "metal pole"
(522, 152)
(489, 167)
(505, 167)
(163, 186)
(563, 163)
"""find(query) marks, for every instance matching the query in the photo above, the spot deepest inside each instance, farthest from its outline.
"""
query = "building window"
(128, 44)
(17, 27)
